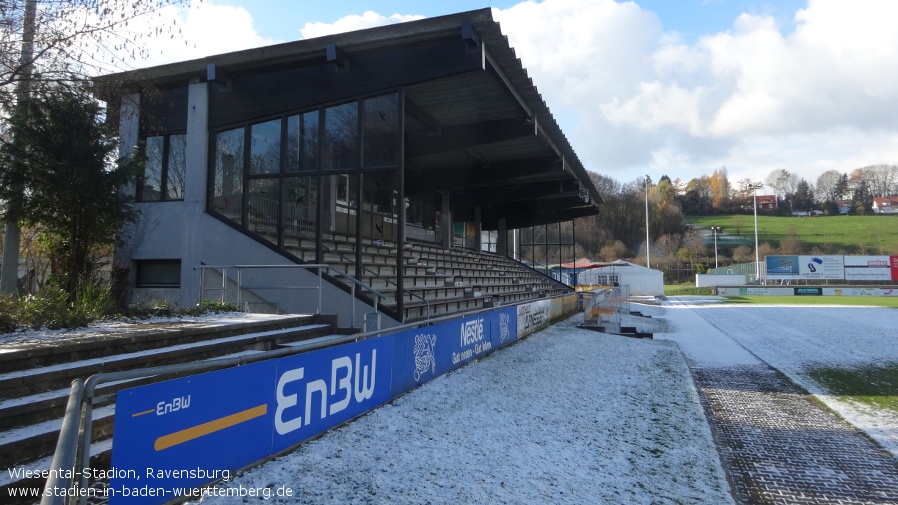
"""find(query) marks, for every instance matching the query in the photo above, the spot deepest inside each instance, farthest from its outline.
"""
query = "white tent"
(642, 281)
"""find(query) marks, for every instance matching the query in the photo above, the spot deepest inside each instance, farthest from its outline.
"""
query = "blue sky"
(691, 18)
(659, 87)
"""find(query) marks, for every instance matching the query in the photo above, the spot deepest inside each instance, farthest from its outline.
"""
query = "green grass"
(873, 385)
(860, 301)
(686, 290)
(853, 234)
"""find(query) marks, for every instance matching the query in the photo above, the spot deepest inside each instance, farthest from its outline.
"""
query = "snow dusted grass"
(565, 416)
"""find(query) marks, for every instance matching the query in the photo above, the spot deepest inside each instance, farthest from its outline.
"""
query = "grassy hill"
(853, 234)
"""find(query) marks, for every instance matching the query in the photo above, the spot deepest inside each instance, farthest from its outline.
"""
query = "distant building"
(885, 205)
(766, 202)
(844, 206)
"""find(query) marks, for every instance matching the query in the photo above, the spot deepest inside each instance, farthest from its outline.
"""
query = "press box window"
(159, 273)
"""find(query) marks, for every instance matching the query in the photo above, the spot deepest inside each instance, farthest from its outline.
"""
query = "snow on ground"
(794, 339)
(565, 416)
(109, 329)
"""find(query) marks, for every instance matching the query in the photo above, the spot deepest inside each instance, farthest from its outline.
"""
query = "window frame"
(164, 170)
(140, 272)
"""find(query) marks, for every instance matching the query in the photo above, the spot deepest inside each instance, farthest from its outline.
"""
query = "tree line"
(619, 232)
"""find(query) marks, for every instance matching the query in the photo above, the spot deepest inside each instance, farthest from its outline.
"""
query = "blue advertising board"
(175, 436)
(183, 433)
(430, 351)
(319, 390)
(180, 434)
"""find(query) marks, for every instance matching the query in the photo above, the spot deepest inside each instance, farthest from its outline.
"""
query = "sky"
(651, 87)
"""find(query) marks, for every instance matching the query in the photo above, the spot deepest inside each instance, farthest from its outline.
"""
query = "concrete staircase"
(35, 380)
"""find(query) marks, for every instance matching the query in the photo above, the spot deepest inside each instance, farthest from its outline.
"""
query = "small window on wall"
(165, 168)
(158, 273)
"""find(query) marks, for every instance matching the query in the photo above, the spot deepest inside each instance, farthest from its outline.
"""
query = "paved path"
(777, 444)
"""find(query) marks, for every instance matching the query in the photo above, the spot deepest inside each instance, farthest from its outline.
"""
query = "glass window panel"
(340, 194)
(177, 166)
(302, 142)
(227, 193)
(265, 148)
(340, 150)
(567, 232)
(552, 233)
(379, 218)
(381, 131)
(262, 204)
(151, 186)
(300, 213)
(158, 273)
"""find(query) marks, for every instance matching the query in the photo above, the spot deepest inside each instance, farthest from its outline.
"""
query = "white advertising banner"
(868, 268)
(805, 267)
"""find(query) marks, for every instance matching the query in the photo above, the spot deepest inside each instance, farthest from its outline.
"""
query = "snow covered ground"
(565, 416)
(568, 415)
(108, 329)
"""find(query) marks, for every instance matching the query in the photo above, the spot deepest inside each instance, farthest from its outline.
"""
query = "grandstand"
(418, 160)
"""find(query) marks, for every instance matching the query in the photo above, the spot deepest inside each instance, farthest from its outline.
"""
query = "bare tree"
(783, 182)
(883, 179)
(76, 39)
(828, 187)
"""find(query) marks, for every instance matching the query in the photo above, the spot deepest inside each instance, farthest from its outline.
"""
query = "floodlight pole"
(648, 242)
(716, 231)
(755, 186)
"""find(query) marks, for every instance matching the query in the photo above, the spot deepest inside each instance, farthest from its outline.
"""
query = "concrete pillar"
(445, 222)
(197, 157)
(502, 237)
(478, 229)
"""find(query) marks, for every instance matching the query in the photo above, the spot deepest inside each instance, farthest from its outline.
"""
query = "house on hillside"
(885, 205)
(766, 202)
(844, 206)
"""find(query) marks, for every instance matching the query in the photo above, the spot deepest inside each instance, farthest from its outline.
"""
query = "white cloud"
(633, 98)
(353, 22)
(209, 29)
(752, 98)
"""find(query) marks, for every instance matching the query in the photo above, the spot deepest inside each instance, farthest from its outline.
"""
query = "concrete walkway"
(776, 443)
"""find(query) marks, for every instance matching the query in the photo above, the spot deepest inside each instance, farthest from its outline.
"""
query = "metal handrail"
(372, 272)
(319, 267)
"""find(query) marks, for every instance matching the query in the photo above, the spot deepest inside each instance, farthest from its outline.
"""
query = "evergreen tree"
(65, 152)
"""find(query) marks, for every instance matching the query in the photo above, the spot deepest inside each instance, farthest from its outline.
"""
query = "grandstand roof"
(476, 126)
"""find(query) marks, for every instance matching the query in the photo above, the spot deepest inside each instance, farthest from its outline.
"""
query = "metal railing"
(319, 268)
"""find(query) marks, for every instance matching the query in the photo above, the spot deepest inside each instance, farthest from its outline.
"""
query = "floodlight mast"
(755, 186)
(716, 231)
(648, 242)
